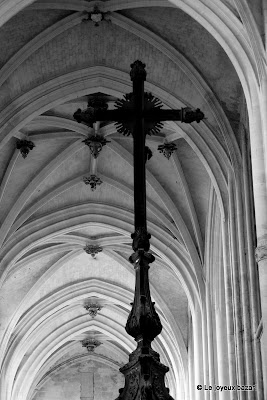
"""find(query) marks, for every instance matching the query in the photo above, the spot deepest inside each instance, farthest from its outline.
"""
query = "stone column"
(87, 381)
(229, 310)
(258, 134)
(235, 275)
(222, 355)
(205, 361)
(198, 355)
(210, 341)
(220, 327)
(191, 374)
(261, 258)
(253, 282)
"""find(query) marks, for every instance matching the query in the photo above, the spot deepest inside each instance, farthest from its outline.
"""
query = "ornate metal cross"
(139, 113)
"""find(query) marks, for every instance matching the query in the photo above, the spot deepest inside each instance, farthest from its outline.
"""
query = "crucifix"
(139, 114)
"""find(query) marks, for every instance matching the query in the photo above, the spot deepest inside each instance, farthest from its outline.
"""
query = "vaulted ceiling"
(53, 59)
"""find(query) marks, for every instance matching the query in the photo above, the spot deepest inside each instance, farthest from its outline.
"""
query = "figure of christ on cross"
(140, 114)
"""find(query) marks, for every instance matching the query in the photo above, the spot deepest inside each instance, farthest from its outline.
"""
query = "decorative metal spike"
(150, 103)
(93, 181)
(149, 153)
(24, 146)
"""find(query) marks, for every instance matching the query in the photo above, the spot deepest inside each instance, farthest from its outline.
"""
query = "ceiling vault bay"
(49, 65)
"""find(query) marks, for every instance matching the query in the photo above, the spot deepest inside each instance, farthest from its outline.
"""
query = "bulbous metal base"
(144, 377)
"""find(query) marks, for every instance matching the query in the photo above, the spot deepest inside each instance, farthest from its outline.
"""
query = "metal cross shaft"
(139, 137)
(186, 115)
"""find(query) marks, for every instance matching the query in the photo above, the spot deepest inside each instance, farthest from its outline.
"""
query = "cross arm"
(91, 115)
(186, 115)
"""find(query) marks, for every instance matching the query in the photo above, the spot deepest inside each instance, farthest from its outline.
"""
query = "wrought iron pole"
(144, 374)
(138, 77)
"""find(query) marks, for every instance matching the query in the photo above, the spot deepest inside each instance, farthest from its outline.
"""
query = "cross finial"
(138, 70)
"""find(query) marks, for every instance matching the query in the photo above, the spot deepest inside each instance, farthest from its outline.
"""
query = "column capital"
(261, 251)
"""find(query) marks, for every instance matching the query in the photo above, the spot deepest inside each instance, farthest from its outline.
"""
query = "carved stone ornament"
(91, 344)
(95, 16)
(92, 250)
(24, 146)
(93, 181)
(126, 104)
(167, 149)
(92, 309)
(261, 252)
(95, 144)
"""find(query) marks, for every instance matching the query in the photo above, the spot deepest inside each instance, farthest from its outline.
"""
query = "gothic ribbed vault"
(53, 59)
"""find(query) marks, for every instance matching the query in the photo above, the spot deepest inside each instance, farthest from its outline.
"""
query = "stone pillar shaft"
(252, 280)
(229, 310)
(236, 290)
(191, 357)
(261, 257)
(210, 333)
(222, 357)
(198, 355)
(258, 135)
(244, 290)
